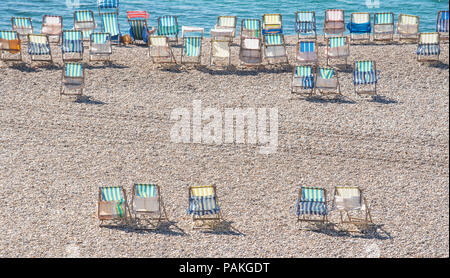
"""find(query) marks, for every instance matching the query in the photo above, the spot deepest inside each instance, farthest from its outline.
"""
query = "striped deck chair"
(311, 205)
(307, 52)
(84, 22)
(220, 49)
(138, 25)
(349, 200)
(100, 48)
(203, 205)
(72, 45)
(192, 50)
(428, 47)
(383, 26)
(305, 24)
(327, 81)
(408, 26)
(10, 47)
(359, 26)
(250, 51)
(365, 73)
(110, 25)
(112, 204)
(147, 204)
(275, 47)
(338, 48)
(272, 24)
(73, 77)
(22, 25)
(108, 6)
(250, 28)
(52, 26)
(39, 48)
(334, 22)
(442, 24)
(303, 78)
(160, 51)
(227, 22)
(168, 26)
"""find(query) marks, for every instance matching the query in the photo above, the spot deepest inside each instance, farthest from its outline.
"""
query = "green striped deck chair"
(305, 24)
(327, 81)
(84, 21)
(365, 74)
(203, 205)
(10, 47)
(334, 22)
(428, 48)
(73, 77)
(250, 28)
(275, 48)
(303, 78)
(220, 49)
(338, 48)
(272, 24)
(52, 26)
(227, 22)
(192, 48)
(100, 48)
(160, 51)
(383, 26)
(110, 25)
(408, 26)
(307, 52)
(352, 206)
(22, 25)
(168, 26)
(312, 205)
(39, 48)
(72, 48)
(112, 204)
(147, 204)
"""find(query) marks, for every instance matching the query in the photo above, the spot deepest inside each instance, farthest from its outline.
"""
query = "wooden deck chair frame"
(402, 36)
(374, 85)
(283, 45)
(360, 36)
(68, 80)
(33, 56)
(198, 218)
(298, 52)
(5, 47)
(214, 42)
(309, 218)
(430, 57)
(444, 35)
(218, 26)
(344, 57)
(150, 216)
(52, 33)
(81, 25)
(314, 22)
(327, 31)
(127, 213)
(176, 24)
(266, 28)
(294, 86)
(156, 59)
(118, 41)
(257, 59)
(93, 53)
(381, 36)
(326, 91)
(346, 216)
(198, 59)
(21, 31)
(72, 56)
(250, 34)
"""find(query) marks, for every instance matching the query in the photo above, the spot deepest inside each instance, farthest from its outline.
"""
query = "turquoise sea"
(204, 13)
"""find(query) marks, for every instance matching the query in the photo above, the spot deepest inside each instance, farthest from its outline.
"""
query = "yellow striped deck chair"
(138, 25)
(147, 205)
(383, 26)
(408, 26)
(100, 48)
(275, 48)
(272, 24)
(352, 206)
(303, 78)
(327, 81)
(250, 28)
(312, 205)
(52, 25)
(307, 52)
(334, 22)
(192, 50)
(160, 51)
(73, 77)
(338, 48)
(220, 49)
(22, 25)
(227, 22)
(203, 205)
(10, 47)
(112, 204)
(428, 48)
(365, 74)
(72, 47)
(39, 48)
(84, 21)
(110, 25)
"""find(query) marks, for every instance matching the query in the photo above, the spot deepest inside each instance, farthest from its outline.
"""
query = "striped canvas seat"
(8, 35)
(359, 23)
(272, 24)
(442, 22)
(326, 73)
(384, 18)
(251, 28)
(337, 47)
(273, 39)
(327, 81)
(307, 46)
(334, 22)
(305, 76)
(146, 190)
(138, 29)
(84, 21)
(348, 198)
(100, 45)
(408, 25)
(10, 44)
(72, 42)
(305, 22)
(108, 4)
(73, 70)
(38, 45)
(192, 46)
(364, 73)
(226, 21)
(110, 25)
(114, 195)
(203, 201)
(312, 202)
(307, 52)
(336, 42)
(168, 26)
(23, 25)
(428, 44)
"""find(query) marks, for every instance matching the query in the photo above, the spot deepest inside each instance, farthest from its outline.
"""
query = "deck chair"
(52, 26)
(160, 51)
(100, 47)
(72, 48)
(250, 51)
(110, 25)
(312, 205)
(307, 52)
(220, 49)
(442, 24)
(408, 27)
(250, 28)
(112, 204)
(428, 48)
(168, 26)
(39, 48)
(10, 47)
(192, 50)
(226, 22)
(73, 77)
(203, 205)
(365, 73)
(383, 27)
(359, 26)
(327, 81)
(108, 6)
(84, 22)
(275, 48)
(138, 25)
(272, 24)
(22, 25)
(338, 48)
(147, 204)
(334, 22)
(303, 78)
(305, 24)
(349, 200)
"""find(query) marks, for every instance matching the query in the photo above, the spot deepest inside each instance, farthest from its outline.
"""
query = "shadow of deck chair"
(160, 51)
(113, 205)
(138, 21)
(147, 204)
(72, 47)
(100, 47)
(84, 21)
(334, 22)
(312, 205)
(10, 46)
(52, 25)
(110, 25)
(307, 52)
(327, 82)
(22, 25)
(39, 48)
(305, 25)
(352, 206)
(365, 74)
(408, 27)
(168, 26)
(303, 78)
(275, 49)
(204, 206)
(383, 27)
(272, 24)
(442, 24)
(73, 78)
(337, 48)
(359, 26)
(428, 48)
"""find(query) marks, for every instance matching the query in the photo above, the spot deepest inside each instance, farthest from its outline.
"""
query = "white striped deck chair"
(10, 47)
(22, 25)
(303, 78)
(307, 52)
(138, 25)
(73, 77)
(428, 47)
(100, 47)
(168, 26)
(108, 6)
(110, 25)
(383, 26)
(192, 50)
(327, 81)
(72, 45)
(250, 28)
(220, 49)
(365, 73)
(442, 23)
(160, 51)
(359, 26)
(226, 22)
(272, 24)
(39, 48)
(312, 205)
(52, 26)
(203, 205)
(305, 24)
(112, 204)
(84, 21)
(408, 26)
(349, 200)
(250, 51)
(275, 48)
(338, 48)
(334, 22)
(147, 204)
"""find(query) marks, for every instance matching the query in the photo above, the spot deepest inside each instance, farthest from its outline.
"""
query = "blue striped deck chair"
(359, 26)
(84, 21)
(408, 27)
(303, 78)
(334, 22)
(73, 77)
(100, 48)
(192, 50)
(442, 23)
(275, 48)
(22, 25)
(327, 81)
(39, 48)
(112, 204)
(138, 25)
(312, 205)
(147, 204)
(168, 26)
(365, 73)
(307, 52)
(305, 24)
(227, 22)
(383, 26)
(203, 205)
(428, 47)
(108, 6)
(160, 51)
(52, 26)
(72, 45)
(110, 25)
(250, 28)
(10, 47)
(338, 48)
(272, 24)
(352, 206)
